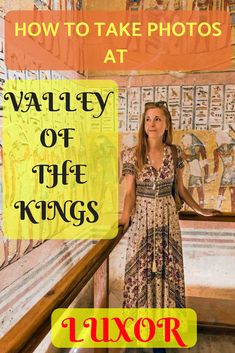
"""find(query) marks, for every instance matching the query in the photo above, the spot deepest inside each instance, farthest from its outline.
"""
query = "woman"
(154, 274)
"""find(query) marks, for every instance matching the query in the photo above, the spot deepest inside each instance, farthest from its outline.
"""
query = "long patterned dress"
(146, 287)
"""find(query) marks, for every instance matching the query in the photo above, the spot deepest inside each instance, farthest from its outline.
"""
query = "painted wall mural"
(174, 5)
(199, 107)
(204, 124)
(58, 4)
(201, 5)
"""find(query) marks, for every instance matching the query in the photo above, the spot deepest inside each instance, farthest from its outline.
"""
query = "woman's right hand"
(209, 212)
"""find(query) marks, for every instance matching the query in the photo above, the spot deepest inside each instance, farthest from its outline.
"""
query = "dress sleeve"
(128, 162)
(180, 160)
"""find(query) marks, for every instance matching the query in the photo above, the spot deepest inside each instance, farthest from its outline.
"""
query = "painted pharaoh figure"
(225, 152)
(202, 5)
(194, 153)
(41, 4)
(167, 5)
(134, 5)
(160, 5)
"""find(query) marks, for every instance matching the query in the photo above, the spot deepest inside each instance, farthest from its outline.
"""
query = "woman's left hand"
(207, 212)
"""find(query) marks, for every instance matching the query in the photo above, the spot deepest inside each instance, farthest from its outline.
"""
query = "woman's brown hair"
(142, 146)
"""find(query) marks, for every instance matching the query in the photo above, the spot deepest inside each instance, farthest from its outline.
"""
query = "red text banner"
(145, 40)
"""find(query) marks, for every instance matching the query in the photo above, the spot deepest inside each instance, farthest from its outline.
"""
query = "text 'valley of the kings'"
(75, 211)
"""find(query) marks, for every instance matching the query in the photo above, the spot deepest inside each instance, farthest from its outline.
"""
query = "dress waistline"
(152, 190)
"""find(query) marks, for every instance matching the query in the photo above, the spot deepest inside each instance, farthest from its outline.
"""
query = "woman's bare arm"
(129, 201)
(186, 196)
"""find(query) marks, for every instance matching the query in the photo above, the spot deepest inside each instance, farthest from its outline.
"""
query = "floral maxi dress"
(149, 285)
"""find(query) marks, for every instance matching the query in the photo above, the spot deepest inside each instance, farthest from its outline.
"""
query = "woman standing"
(154, 276)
